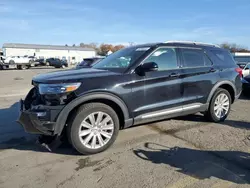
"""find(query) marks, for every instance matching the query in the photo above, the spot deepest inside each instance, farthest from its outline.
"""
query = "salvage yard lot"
(181, 152)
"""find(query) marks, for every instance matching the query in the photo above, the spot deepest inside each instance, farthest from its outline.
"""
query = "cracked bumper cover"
(34, 124)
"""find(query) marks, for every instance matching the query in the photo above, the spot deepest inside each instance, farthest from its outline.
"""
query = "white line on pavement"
(13, 95)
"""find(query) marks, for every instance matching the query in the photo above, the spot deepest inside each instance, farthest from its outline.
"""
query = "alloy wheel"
(96, 130)
(221, 105)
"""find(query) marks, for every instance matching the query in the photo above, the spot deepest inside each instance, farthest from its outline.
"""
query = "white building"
(71, 53)
(241, 53)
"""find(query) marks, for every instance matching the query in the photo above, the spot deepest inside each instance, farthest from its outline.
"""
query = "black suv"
(89, 62)
(135, 85)
(56, 62)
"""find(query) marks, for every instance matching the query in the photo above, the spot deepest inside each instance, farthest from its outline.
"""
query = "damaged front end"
(39, 112)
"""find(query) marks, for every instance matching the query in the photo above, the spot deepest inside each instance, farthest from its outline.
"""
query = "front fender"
(63, 116)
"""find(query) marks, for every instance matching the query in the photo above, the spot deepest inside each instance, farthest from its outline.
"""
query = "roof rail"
(193, 42)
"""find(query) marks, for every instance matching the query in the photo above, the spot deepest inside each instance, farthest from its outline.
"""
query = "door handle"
(212, 70)
(172, 75)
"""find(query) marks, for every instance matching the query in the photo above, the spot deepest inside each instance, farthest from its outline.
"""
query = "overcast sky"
(121, 21)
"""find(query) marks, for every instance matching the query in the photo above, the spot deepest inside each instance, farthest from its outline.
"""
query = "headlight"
(58, 88)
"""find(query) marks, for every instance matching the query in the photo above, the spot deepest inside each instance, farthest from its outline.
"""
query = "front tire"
(22, 67)
(220, 106)
(94, 128)
(11, 62)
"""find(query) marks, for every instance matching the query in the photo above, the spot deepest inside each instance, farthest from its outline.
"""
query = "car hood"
(72, 75)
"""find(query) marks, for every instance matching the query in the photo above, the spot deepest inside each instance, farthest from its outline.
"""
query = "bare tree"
(234, 47)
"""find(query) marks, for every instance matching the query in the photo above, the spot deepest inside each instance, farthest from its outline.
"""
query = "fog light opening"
(41, 114)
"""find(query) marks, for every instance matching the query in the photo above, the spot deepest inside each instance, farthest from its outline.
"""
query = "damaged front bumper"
(39, 120)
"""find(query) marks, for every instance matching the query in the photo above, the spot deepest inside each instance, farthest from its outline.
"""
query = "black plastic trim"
(217, 85)
(63, 116)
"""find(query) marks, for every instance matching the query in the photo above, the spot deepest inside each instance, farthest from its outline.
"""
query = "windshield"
(122, 59)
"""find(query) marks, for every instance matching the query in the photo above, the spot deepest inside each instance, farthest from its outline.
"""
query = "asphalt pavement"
(181, 152)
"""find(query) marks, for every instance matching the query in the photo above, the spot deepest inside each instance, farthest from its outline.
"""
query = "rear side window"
(224, 57)
(195, 58)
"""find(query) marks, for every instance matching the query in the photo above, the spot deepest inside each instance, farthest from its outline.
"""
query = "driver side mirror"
(146, 67)
(150, 66)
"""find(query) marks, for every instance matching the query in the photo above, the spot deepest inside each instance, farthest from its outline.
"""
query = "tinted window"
(224, 56)
(208, 62)
(165, 58)
(195, 58)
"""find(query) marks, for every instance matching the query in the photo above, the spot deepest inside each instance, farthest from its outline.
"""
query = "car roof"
(179, 44)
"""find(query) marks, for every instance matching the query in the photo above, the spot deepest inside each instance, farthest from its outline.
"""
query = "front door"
(160, 90)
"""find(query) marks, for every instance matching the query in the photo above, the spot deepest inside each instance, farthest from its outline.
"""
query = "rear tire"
(221, 101)
(98, 124)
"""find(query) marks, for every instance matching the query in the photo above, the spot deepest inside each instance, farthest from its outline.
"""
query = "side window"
(224, 56)
(165, 58)
(195, 58)
(208, 62)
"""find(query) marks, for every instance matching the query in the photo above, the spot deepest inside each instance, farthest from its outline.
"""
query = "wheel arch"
(105, 97)
(229, 86)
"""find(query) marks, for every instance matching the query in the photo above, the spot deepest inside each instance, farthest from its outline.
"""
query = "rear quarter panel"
(227, 72)
(230, 74)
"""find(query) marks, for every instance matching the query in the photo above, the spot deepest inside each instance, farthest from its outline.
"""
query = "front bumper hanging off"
(32, 123)
(39, 121)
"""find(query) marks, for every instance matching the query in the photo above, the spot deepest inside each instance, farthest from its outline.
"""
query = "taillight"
(239, 70)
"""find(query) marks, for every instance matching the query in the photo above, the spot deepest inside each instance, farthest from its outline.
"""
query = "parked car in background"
(89, 62)
(40, 62)
(246, 85)
(157, 81)
(18, 62)
(33, 58)
(242, 61)
(56, 62)
(246, 70)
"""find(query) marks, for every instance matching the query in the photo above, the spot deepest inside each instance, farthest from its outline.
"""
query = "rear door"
(199, 75)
